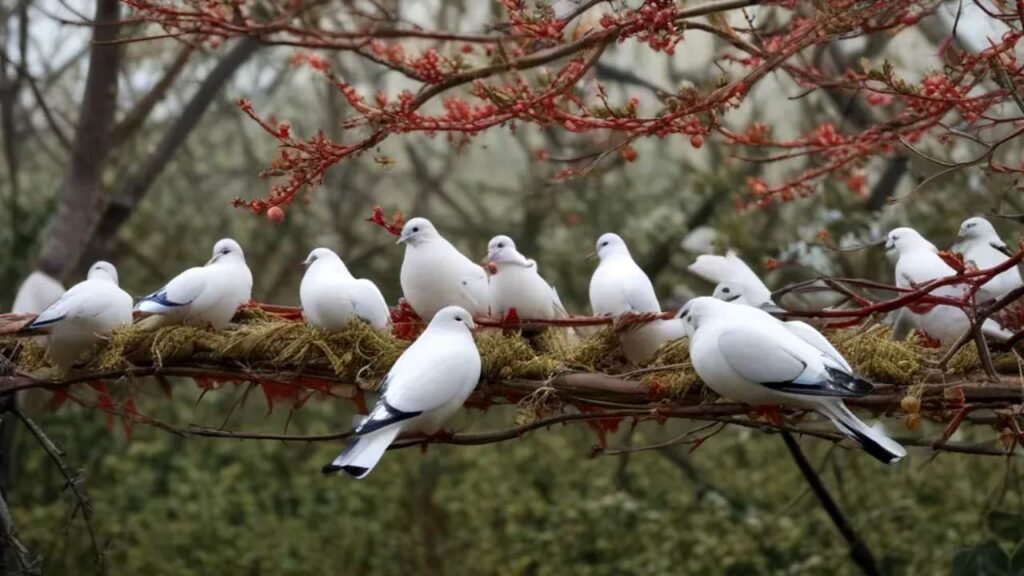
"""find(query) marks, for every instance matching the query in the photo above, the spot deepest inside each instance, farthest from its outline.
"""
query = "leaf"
(1005, 526)
(984, 559)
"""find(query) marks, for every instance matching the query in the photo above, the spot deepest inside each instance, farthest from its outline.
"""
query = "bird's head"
(502, 250)
(697, 312)
(977, 228)
(416, 231)
(323, 257)
(610, 244)
(453, 317)
(227, 250)
(103, 271)
(732, 292)
(903, 240)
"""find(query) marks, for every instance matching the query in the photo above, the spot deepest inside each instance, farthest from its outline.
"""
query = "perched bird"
(982, 248)
(205, 296)
(620, 287)
(518, 284)
(331, 297)
(435, 274)
(429, 382)
(38, 291)
(744, 354)
(83, 316)
(730, 268)
(919, 262)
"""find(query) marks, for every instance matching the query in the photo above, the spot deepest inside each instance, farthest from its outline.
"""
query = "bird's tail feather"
(362, 455)
(873, 440)
(994, 331)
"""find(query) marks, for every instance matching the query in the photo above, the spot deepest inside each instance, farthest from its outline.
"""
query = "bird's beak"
(212, 260)
(492, 255)
(889, 245)
(773, 308)
(304, 263)
(402, 239)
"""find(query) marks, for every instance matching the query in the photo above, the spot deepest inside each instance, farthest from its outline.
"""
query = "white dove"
(919, 263)
(38, 291)
(730, 268)
(435, 274)
(620, 287)
(83, 316)
(429, 382)
(746, 355)
(331, 297)
(206, 296)
(518, 284)
(982, 248)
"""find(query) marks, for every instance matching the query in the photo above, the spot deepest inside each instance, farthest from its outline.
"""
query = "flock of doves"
(737, 347)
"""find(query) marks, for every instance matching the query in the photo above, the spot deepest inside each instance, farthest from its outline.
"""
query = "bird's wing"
(474, 287)
(773, 365)
(808, 334)
(427, 375)
(560, 311)
(180, 291)
(639, 292)
(85, 300)
(369, 303)
(1002, 247)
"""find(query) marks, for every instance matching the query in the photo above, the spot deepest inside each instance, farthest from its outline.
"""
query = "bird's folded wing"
(425, 378)
(758, 359)
(639, 293)
(180, 291)
(54, 312)
(473, 286)
(1001, 247)
(808, 334)
(560, 311)
(383, 414)
(772, 365)
(368, 302)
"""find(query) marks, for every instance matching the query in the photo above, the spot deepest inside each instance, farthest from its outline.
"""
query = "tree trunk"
(72, 224)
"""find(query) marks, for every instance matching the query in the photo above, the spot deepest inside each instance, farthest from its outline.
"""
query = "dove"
(617, 287)
(518, 284)
(205, 296)
(730, 268)
(746, 355)
(38, 291)
(918, 263)
(83, 316)
(982, 248)
(435, 274)
(427, 385)
(331, 297)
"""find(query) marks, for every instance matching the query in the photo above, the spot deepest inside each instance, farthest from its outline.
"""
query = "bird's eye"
(458, 318)
(725, 290)
(501, 244)
(605, 243)
(415, 229)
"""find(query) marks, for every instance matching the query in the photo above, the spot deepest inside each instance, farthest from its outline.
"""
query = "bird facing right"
(427, 385)
(205, 296)
(746, 355)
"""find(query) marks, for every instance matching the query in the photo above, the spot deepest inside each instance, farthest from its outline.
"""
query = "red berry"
(696, 141)
(275, 214)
